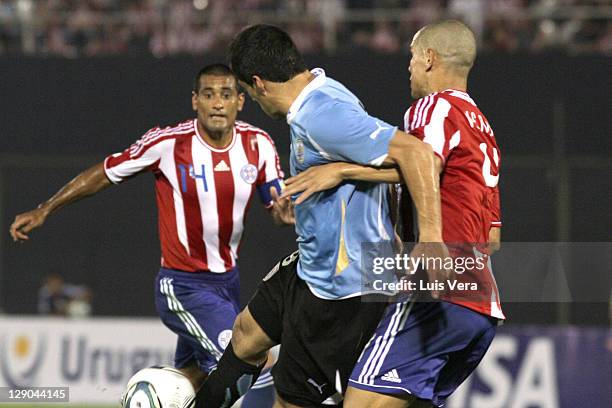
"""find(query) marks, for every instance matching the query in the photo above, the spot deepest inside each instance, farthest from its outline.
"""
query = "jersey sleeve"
(428, 120)
(342, 131)
(143, 155)
(270, 172)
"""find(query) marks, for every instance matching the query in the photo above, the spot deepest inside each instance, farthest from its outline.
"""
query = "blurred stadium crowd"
(75, 28)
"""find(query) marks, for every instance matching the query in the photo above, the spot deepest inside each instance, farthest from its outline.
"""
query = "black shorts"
(321, 339)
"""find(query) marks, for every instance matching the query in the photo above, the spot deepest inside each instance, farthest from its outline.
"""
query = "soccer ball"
(158, 387)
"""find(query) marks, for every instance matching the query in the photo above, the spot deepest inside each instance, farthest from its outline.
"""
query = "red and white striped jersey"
(203, 193)
(461, 136)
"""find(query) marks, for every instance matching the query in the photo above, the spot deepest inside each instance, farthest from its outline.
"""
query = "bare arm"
(327, 176)
(352, 171)
(420, 170)
(494, 239)
(85, 184)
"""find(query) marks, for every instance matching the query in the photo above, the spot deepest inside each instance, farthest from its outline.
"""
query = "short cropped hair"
(216, 69)
(265, 51)
(452, 40)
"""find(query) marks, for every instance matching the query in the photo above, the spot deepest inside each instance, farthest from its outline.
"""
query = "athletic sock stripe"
(264, 376)
(263, 381)
(258, 386)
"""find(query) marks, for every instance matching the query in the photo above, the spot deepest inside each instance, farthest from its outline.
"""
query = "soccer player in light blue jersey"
(423, 350)
(311, 301)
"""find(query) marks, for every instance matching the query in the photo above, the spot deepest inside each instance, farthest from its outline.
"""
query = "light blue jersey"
(328, 123)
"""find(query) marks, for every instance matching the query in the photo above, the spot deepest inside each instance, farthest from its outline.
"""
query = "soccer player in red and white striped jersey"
(206, 171)
(461, 137)
(203, 187)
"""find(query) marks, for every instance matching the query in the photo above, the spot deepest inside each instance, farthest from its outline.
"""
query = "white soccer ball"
(158, 387)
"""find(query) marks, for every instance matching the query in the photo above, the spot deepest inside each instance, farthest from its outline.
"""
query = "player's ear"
(240, 101)
(194, 101)
(259, 85)
(430, 56)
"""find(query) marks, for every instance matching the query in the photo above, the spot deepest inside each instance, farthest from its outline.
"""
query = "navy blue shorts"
(426, 349)
(200, 308)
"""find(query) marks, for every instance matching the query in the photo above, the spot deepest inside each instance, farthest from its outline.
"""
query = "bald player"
(423, 349)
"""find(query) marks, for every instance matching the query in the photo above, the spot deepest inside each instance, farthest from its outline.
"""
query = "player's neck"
(448, 81)
(218, 140)
(293, 88)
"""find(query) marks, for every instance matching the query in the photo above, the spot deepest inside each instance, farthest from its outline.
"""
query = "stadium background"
(119, 68)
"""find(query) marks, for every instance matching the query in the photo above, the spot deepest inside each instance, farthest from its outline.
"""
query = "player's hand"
(313, 180)
(282, 209)
(437, 253)
(26, 222)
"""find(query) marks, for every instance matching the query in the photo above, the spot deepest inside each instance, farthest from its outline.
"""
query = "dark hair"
(215, 70)
(266, 51)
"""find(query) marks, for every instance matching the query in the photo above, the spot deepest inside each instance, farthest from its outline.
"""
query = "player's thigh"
(357, 398)
(249, 340)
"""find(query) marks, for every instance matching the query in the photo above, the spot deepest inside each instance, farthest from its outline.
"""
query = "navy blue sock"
(262, 394)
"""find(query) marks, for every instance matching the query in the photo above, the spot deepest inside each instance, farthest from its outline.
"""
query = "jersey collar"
(214, 149)
(318, 81)
(460, 94)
